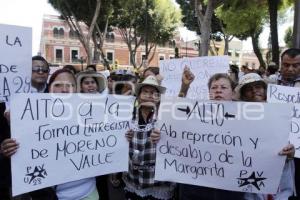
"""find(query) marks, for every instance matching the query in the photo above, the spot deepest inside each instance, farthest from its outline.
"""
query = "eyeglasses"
(38, 69)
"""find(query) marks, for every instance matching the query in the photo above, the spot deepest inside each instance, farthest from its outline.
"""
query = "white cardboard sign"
(202, 67)
(226, 145)
(291, 95)
(15, 62)
(67, 137)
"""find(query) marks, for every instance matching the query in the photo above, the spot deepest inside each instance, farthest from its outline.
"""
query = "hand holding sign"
(155, 136)
(288, 151)
(9, 147)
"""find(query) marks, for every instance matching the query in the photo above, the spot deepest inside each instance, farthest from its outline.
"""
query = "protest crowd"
(138, 182)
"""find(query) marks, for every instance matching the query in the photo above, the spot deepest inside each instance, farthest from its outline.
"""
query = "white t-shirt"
(76, 190)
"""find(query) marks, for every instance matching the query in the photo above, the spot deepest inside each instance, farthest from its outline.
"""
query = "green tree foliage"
(244, 20)
(265, 11)
(151, 22)
(198, 15)
(288, 37)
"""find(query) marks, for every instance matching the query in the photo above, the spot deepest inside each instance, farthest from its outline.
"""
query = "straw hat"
(100, 78)
(246, 79)
(150, 81)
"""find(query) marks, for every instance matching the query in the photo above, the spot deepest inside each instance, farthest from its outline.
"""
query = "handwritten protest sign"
(67, 137)
(202, 67)
(284, 94)
(15, 62)
(226, 145)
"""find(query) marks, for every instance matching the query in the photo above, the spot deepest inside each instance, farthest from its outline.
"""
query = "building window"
(161, 57)
(73, 35)
(55, 32)
(58, 55)
(237, 54)
(110, 56)
(171, 56)
(229, 53)
(110, 37)
(58, 32)
(74, 55)
(143, 57)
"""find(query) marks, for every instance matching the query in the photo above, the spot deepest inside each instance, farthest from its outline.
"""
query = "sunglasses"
(38, 69)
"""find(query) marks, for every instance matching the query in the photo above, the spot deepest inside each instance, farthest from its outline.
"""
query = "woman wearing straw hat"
(139, 180)
(91, 82)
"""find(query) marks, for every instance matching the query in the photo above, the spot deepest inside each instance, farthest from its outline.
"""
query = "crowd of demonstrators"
(138, 182)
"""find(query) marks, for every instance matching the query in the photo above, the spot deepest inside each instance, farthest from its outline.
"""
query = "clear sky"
(26, 13)
(30, 13)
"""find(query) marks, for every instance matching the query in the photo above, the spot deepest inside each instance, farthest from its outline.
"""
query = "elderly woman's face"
(63, 83)
(149, 96)
(221, 90)
(254, 92)
(89, 85)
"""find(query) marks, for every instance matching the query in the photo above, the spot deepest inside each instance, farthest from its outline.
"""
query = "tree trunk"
(91, 30)
(100, 43)
(204, 23)
(205, 40)
(74, 25)
(296, 30)
(273, 7)
(256, 49)
(226, 47)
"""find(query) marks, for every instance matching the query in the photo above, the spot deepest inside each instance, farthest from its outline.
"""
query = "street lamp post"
(186, 45)
(197, 44)
(81, 61)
